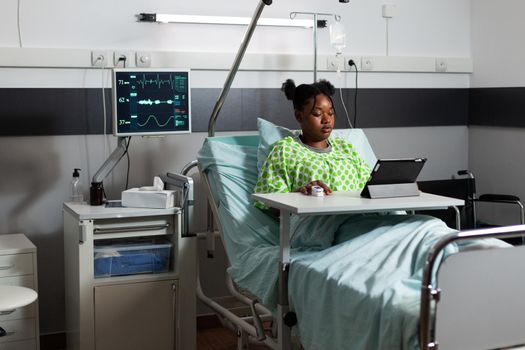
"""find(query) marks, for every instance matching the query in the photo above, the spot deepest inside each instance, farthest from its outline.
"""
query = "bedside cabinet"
(18, 267)
(130, 279)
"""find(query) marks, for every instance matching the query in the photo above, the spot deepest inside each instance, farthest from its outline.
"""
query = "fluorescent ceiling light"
(276, 22)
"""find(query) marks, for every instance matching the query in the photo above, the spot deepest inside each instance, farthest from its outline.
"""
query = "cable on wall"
(388, 11)
(122, 59)
(129, 162)
(386, 34)
(343, 102)
(104, 109)
(18, 24)
(352, 63)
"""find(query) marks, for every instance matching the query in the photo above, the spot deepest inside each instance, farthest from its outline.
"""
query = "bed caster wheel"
(290, 319)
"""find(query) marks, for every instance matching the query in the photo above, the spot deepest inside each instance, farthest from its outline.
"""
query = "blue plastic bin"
(131, 259)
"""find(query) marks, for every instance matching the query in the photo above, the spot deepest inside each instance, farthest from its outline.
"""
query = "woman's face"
(316, 119)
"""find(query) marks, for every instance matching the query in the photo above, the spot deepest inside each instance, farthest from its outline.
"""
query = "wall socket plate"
(367, 63)
(99, 58)
(335, 63)
(357, 62)
(441, 64)
(143, 59)
(127, 55)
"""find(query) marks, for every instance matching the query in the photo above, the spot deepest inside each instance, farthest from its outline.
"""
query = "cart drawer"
(18, 330)
(16, 265)
(20, 345)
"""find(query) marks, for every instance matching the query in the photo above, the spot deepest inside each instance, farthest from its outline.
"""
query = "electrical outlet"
(356, 60)
(143, 59)
(122, 58)
(441, 64)
(99, 58)
(367, 63)
(335, 63)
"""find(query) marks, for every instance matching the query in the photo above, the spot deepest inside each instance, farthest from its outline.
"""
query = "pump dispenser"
(76, 187)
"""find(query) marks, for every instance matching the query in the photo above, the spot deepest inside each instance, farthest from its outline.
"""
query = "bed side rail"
(431, 293)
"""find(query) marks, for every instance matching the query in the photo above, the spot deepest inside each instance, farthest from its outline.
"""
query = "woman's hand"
(307, 189)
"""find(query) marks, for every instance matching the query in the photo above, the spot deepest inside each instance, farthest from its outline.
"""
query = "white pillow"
(270, 133)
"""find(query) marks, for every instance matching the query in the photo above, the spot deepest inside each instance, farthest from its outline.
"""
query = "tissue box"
(137, 198)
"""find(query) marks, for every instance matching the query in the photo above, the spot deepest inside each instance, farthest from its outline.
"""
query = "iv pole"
(317, 23)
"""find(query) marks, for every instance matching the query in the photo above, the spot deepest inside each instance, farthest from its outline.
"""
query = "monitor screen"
(151, 101)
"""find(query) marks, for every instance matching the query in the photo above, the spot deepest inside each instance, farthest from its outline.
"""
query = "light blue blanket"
(360, 293)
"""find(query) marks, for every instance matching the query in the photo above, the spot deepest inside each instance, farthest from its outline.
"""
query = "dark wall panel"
(47, 111)
(497, 107)
(53, 111)
(411, 107)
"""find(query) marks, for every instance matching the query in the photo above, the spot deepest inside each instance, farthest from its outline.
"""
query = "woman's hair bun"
(288, 88)
(300, 95)
(326, 87)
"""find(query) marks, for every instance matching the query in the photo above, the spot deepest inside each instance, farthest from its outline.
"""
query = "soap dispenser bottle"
(76, 187)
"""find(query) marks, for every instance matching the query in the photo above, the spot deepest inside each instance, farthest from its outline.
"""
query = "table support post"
(458, 217)
(283, 307)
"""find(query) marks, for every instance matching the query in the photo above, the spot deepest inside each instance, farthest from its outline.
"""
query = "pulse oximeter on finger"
(317, 191)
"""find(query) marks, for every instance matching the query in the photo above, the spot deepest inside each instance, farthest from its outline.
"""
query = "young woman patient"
(296, 164)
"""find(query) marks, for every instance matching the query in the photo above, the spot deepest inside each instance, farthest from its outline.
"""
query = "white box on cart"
(140, 198)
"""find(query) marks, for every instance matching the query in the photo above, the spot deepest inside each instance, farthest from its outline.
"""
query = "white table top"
(84, 211)
(340, 202)
(14, 297)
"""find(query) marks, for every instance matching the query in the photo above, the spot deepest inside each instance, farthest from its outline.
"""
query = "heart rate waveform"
(175, 82)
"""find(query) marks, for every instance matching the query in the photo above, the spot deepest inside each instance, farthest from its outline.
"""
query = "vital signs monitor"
(151, 101)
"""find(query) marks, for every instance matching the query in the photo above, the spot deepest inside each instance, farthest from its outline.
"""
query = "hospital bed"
(467, 300)
(464, 292)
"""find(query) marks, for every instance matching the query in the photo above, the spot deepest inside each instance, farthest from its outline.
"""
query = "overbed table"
(339, 202)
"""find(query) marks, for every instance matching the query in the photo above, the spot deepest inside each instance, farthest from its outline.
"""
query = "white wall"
(422, 27)
(497, 28)
(36, 170)
(495, 153)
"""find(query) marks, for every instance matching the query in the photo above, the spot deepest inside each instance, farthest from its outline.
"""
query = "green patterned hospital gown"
(291, 164)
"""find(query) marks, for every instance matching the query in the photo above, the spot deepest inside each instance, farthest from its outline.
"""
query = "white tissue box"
(157, 199)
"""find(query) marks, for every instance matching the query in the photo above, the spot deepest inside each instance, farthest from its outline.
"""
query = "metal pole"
(235, 67)
(315, 47)
(316, 24)
(284, 331)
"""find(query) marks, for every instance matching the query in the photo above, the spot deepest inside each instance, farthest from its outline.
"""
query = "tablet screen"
(394, 171)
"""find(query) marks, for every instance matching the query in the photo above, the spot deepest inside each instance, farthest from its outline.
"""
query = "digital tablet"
(394, 171)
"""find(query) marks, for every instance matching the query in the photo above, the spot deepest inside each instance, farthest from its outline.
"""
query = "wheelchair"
(464, 188)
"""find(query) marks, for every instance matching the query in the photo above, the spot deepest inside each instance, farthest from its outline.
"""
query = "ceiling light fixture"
(192, 19)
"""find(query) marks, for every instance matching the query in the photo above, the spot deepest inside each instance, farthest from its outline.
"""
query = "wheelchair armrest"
(504, 198)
